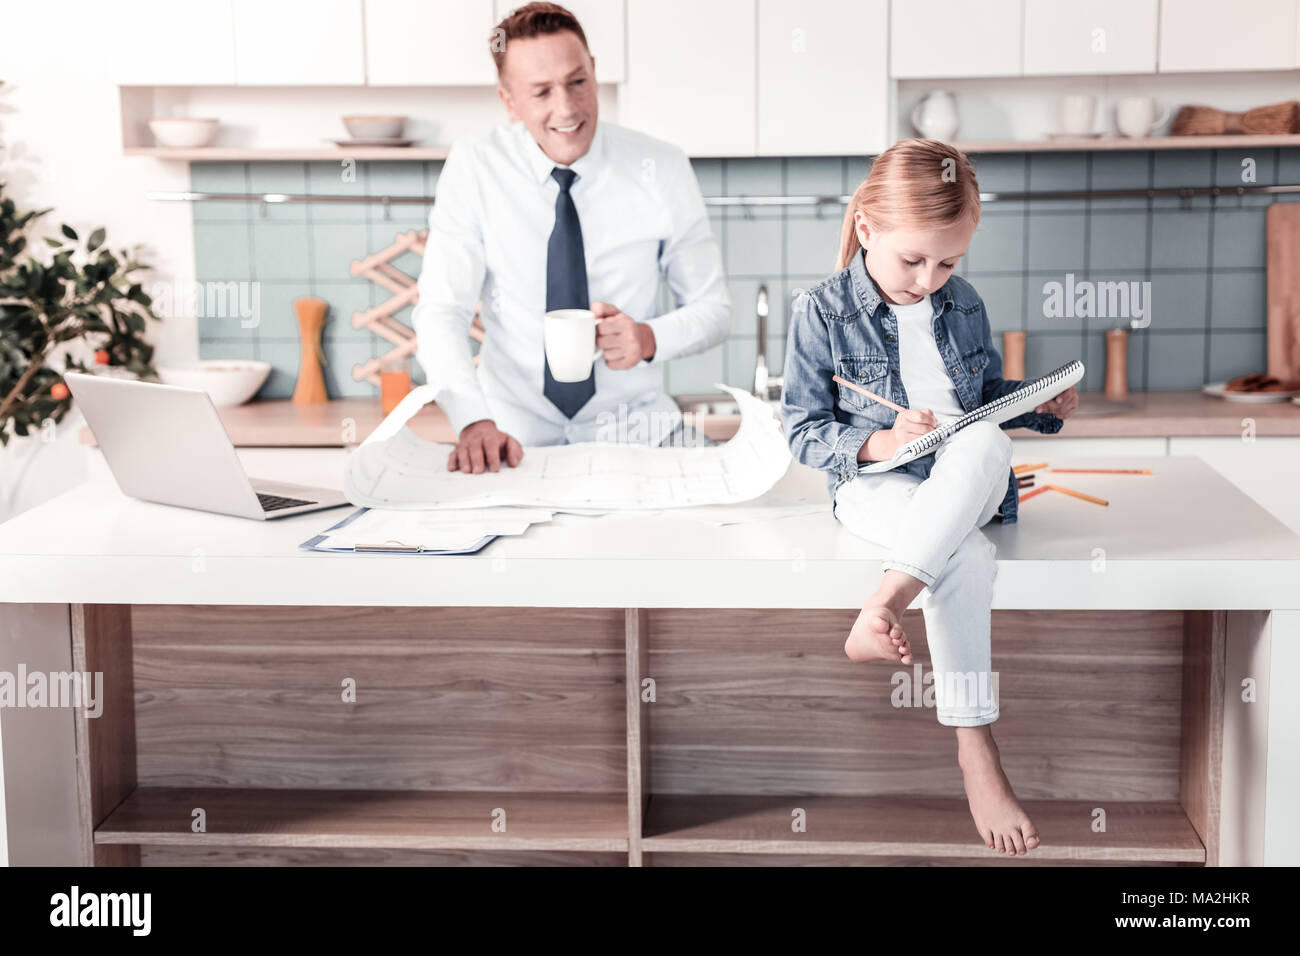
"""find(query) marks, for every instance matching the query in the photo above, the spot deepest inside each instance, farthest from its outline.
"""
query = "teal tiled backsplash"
(1204, 257)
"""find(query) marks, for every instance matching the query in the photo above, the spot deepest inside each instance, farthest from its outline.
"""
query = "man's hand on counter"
(623, 340)
(482, 446)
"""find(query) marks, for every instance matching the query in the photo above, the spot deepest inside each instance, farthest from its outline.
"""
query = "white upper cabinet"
(691, 74)
(1205, 35)
(822, 81)
(1100, 36)
(299, 43)
(955, 38)
(429, 42)
(603, 22)
(165, 43)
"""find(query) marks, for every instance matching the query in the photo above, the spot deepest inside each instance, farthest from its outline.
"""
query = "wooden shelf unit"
(628, 737)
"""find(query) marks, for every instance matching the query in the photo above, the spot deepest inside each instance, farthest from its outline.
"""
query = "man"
(560, 211)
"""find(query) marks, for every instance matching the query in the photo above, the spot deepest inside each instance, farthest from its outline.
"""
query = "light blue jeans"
(932, 527)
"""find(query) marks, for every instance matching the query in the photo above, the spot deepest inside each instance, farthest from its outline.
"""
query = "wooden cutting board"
(1283, 221)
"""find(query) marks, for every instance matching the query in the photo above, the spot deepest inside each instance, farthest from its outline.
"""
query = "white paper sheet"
(395, 469)
(433, 530)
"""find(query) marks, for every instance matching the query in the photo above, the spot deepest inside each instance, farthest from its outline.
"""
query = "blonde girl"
(897, 320)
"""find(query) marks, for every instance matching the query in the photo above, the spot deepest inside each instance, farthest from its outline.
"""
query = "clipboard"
(386, 547)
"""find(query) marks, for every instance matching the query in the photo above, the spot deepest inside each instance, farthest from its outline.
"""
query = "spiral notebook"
(1027, 397)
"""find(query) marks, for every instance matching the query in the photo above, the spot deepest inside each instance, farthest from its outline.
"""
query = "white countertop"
(1181, 538)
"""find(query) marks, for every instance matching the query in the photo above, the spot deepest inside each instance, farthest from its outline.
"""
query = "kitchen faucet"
(764, 384)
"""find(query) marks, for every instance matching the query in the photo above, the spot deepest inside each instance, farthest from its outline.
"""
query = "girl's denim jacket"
(842, 326)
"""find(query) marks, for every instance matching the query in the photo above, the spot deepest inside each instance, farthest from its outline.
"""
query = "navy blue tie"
(566, 288)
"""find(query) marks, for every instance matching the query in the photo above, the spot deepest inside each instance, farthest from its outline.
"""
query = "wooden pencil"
(1077, 494)
(1036, 491)
(871, 395)
(1105, 471)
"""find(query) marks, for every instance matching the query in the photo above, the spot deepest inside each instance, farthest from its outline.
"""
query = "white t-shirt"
(925, 376)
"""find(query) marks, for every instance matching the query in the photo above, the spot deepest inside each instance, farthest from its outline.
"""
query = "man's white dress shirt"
(641, 213)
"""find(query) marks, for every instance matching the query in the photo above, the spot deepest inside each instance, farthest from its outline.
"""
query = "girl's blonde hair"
(915, 184)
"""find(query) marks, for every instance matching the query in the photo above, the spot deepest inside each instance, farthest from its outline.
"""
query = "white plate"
(1248, 398)
(380, 141)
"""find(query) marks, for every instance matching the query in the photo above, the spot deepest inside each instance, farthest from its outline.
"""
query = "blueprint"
(396, 469)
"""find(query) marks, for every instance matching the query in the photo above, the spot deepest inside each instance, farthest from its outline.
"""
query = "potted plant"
(78, 291)
(77, 297)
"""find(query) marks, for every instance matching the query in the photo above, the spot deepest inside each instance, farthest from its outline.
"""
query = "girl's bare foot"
(877, 635)
(1001, 820)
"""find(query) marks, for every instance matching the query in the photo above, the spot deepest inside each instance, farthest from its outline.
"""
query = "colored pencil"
(1036, 491)
(1078, 494)
(1021, 469)
(1105, 471)
(871, 395)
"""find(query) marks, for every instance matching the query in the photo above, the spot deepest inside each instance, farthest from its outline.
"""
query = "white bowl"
(184, 132)
(375, 127)
(228, 381)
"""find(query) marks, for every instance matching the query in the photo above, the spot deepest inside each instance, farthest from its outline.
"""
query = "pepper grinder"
(1117, 364)
(1013, 355)
(310, 388)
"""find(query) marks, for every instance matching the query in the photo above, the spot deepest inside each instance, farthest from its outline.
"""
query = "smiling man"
(560, 210)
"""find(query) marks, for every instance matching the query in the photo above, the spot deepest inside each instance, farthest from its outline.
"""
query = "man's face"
(549, 82)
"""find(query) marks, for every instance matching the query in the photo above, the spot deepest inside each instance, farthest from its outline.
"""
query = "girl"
(896, 320)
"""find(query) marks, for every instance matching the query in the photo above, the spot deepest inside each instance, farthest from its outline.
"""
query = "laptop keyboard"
(276, 502)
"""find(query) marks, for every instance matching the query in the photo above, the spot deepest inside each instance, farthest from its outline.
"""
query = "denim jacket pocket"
(869, 370)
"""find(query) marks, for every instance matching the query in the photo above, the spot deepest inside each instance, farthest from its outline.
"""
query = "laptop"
(166, 444)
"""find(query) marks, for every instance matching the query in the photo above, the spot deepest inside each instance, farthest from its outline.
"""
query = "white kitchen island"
(645, 690)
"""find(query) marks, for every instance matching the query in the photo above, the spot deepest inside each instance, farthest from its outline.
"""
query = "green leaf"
(56, 243)
(68, 231)
(96, 240)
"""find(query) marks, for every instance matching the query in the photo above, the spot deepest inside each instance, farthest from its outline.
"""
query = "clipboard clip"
(390, 545)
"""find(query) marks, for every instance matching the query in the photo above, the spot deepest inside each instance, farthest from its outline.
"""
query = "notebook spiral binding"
(931, 439)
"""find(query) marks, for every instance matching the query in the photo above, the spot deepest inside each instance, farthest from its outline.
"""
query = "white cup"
(1136, 116)
(1077, 112)
(570, 336)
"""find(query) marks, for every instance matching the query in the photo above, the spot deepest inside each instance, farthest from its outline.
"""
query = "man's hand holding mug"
(574, 339)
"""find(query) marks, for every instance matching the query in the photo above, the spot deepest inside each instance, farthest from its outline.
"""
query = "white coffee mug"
(1136, 116)
(570, 336)
(1077, 112)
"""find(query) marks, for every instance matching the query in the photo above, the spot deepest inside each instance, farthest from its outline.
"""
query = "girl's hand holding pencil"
(909, 424)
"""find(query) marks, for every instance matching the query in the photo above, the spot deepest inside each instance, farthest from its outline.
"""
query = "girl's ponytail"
(849, 244)
(915, 184)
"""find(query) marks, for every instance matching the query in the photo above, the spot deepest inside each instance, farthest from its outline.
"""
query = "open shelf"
(232, 154)
(369, 819)
(239, 154)
(539, 712)
(1105, 143)
(909, 826)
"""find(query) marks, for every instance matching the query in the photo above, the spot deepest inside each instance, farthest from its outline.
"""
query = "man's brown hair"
(532, 20)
